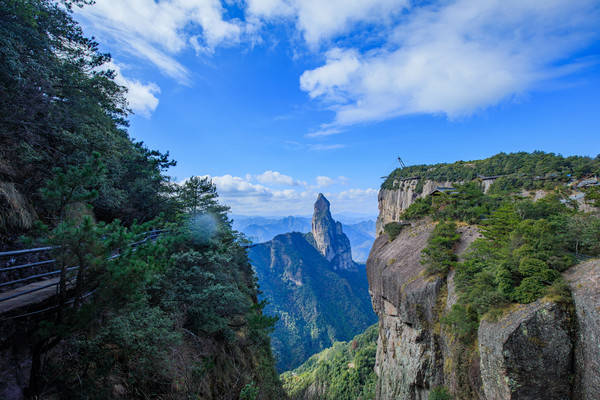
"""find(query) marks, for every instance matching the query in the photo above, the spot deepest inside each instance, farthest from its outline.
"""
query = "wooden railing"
(38, 276)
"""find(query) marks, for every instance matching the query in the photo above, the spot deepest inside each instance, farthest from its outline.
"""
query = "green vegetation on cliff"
(344, 371)
(522, 170)
(439, 255)
(175, 317)
(526, 244)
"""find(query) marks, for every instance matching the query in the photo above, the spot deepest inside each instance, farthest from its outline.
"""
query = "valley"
(299, 200)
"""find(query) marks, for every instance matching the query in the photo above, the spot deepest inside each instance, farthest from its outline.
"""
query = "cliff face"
(329, 239)
(584, 282)
(528, 353)
(532, 352)
(392, 202)
(410, 359)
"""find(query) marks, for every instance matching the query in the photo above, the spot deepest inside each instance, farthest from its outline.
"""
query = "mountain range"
(315, 288)
(359, 230)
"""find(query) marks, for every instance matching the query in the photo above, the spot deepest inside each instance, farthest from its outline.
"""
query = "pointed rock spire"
(329, 238)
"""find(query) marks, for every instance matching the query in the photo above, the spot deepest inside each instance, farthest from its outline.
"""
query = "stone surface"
(528, 353)
(584, 281)
(407, 361)
(410, 354)
(329, 238)
(392, 202)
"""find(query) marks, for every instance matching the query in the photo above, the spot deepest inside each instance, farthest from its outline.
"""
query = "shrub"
(439, 254)
(439, 393)
(420, 208)
(393, 229)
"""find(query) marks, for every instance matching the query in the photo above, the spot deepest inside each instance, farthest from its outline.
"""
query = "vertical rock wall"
(329, 239)
(392, 202)
(584, 281)
(532, 353)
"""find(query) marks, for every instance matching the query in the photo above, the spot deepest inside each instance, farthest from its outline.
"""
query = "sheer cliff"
(509, 308)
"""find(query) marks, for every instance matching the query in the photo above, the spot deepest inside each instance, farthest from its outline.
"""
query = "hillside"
(345, 371)
(318, 300)
(517, 170)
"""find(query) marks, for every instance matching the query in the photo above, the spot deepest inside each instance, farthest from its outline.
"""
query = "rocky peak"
(329, 238)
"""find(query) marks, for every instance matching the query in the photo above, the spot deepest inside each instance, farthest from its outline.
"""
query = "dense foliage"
(181, 310)
(175, 317)
(439, 393)
(525, 247)
(520, 170)
(439, 255)
(393, 229)
(59, 103)
(344, 371)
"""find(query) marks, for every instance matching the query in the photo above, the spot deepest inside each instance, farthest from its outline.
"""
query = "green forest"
(344, 371)
(515, 170)
(175, 317)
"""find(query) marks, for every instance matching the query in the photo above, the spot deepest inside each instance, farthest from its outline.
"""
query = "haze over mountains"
(360, 230)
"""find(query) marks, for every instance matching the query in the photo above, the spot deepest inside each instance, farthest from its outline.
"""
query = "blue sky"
(277, 100)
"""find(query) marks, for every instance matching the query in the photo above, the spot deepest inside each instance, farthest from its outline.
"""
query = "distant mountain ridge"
(262, 229)
(312, 284)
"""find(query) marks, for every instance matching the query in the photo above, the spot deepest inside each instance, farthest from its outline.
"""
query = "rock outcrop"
(410, 359)
(316, 304)
(584, 282)
(528, 353)
(311, 283)
(329, 239)
(392, 202)
(544, 350)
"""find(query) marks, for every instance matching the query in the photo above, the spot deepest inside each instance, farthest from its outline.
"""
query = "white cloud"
(323, 181)
(323, 147)
(277, 178)
(320, 20)
(324, 132)
(443, 57)
(141, 97)
(158, 30)
(248, 198)
(353, 194)
(454, 58)
(235, 186)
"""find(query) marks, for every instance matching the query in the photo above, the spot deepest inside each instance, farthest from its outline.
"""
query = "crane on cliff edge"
(402, 165)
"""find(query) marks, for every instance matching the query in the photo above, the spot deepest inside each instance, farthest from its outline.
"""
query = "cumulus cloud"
(246, 197)
(158, 30)
(381, 58)
(454, 58)
(274, 177)
(353, 194)
(322, 20)
(140, 96)
(323, 181)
